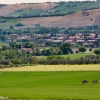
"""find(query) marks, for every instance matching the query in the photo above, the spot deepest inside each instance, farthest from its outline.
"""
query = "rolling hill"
(73, 20)
(80, 18)
(11, 8)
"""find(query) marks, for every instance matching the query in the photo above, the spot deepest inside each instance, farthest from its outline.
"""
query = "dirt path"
(54, 68)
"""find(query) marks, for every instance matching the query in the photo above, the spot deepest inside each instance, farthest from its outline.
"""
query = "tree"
(28, 45)
(47, 52)
(66, 48)
(13, 44)
(90, 49)
(59, 52)
(16, 61)
(37, 51)
(11, 27)
(96, 51)
(82, 49)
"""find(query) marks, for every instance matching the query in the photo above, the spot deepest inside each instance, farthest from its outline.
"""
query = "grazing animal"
(84, 81)
(94, 81)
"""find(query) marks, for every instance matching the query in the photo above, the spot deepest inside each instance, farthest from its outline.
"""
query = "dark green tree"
(66, 48)
(82, 49)
(97, 51)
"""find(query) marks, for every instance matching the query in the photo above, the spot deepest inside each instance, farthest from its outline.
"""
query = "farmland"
(49, 85)
(71, 56)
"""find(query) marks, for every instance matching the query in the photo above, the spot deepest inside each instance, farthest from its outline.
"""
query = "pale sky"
(27, 1)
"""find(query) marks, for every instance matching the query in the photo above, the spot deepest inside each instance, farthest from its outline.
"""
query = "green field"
(49, 85)
(66, 7)
(9, 22)
(27, 12)
(71, 56)
(3, 44)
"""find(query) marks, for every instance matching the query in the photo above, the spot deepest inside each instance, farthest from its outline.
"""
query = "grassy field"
(3, 44)
(9, 22)
(71, 56)
(76, 6)
(27, 12)
(49, 85)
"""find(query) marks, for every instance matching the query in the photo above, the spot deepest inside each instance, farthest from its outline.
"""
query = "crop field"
(76, 6)
(27, 12)
(71, 56)
(50, 84)
(91, 67)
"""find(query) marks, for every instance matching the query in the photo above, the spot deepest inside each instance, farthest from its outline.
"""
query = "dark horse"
(94, 81)
(84, 81)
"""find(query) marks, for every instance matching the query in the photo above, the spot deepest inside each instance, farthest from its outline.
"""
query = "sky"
(27, 1)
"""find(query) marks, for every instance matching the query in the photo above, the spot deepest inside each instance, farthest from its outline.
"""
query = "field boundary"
(55, 68)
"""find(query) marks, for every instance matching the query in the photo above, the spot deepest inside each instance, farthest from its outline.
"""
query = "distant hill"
(81, 17)
(73, 20)
(12, 8)
(47, 9)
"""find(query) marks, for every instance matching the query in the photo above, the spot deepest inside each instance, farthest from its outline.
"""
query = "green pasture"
(76, 6)
(3, 44)
(49, 85)
(71, 56)
(27, 12)
(9, 22)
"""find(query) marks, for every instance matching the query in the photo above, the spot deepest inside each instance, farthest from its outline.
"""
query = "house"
(8, 40)
(27, 49)
(14, 37)
(19, 39)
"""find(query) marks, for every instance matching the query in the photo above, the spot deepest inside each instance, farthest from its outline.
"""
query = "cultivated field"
(55, 68)
(73, 20)
(62, 85)
(14, 7)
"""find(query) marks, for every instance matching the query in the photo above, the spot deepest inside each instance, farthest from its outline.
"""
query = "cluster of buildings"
(41, 39)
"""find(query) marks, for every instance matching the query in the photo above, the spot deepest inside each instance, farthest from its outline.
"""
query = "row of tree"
(90, 59)
(14, 56)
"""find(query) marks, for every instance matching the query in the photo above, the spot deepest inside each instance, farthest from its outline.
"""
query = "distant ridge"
(82, 18)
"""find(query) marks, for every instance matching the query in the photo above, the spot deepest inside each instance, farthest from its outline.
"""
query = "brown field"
(73, 20)
(13, 7)
(55, 68)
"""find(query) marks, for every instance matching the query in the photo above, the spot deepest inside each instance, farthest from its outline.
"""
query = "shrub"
(97, 51)
(19, 25)
(16, 61)
(76, 51)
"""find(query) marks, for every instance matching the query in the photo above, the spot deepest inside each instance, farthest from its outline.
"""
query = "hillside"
(6, 10)
(47, 9)
(73, 20)
(31, 14)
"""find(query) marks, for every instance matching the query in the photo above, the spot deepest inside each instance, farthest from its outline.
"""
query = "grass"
(9, 22)
(27, 12)
(71, 56)
(76, 6)
(3, 44)
(49, 85)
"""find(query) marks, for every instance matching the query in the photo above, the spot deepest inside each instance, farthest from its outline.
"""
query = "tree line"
(14, 56)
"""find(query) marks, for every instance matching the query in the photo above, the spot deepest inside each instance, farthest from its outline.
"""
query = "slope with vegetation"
(59, 14)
